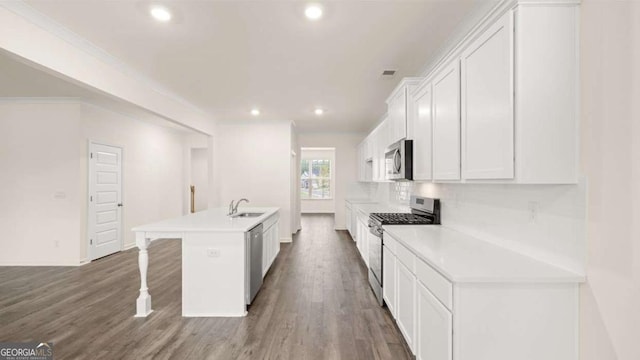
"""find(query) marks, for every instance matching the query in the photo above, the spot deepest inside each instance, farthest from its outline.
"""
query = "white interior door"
(105, 200)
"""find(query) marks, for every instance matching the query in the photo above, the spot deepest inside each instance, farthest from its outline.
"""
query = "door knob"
(120, 205)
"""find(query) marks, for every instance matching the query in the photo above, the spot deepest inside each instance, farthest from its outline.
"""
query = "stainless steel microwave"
(398, 161)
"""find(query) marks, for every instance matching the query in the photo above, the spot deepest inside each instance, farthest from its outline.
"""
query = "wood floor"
(315, 304)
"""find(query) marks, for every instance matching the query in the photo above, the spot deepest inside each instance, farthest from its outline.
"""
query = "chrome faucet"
(234, 208)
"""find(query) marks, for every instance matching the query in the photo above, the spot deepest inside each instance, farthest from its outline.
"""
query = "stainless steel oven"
(424, 211)
(398, 161)
(375, 259)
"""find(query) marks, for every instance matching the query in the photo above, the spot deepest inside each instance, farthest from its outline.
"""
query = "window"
(315, 179)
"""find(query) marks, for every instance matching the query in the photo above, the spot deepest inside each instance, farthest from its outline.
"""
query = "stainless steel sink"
(247, 215)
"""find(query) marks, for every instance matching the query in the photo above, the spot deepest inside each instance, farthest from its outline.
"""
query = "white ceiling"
(229, 56)
(21, 80)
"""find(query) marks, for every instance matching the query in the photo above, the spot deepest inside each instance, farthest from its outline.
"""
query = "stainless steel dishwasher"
(253, 257)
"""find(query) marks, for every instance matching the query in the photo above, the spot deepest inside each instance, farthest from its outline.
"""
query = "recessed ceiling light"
(161, 13)
(313, 12)
(255, 112)
(319, 111)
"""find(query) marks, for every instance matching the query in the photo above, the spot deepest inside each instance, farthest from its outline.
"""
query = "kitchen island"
(215, 258)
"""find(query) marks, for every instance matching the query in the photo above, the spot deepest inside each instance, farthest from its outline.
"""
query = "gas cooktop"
(401, 219)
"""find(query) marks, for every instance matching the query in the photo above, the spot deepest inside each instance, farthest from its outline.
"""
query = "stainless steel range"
(424, 211)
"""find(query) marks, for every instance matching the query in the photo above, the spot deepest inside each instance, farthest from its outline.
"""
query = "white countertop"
(463, 258)
(211, 220)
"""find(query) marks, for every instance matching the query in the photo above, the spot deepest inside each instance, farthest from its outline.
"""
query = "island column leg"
(143, 303)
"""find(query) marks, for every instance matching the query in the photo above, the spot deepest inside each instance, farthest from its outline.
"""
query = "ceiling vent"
(388, 74)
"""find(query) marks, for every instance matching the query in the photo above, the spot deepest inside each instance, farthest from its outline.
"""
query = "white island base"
(214, 260)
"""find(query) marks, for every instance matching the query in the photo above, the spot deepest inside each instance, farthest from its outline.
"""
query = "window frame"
(312, 177)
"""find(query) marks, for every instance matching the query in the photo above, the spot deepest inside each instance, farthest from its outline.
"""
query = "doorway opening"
(317, 180)
(199, 187)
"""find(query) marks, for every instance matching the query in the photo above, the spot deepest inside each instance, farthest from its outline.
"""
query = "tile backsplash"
(546, 222)
(401, 193)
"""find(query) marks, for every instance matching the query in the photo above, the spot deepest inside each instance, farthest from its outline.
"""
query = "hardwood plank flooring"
(315, 304)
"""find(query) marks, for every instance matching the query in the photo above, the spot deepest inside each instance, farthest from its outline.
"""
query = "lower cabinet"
(354, 225)
(494, 320)
(363, 239)
(434, 330)
(389, 279)
(270, 243)
(406, 285)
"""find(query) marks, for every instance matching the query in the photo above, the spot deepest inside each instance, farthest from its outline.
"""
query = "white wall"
(320, 205)
(152, 174)
(44, 178)
(39, 183)
(345, 145)
(610, 301)
(253, 161)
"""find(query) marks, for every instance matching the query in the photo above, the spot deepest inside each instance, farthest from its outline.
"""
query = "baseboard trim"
(286, 240)
(128, 246)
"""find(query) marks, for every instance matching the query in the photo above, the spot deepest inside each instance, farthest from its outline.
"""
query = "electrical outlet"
(59, 195)
(212, 252)
(533, 211)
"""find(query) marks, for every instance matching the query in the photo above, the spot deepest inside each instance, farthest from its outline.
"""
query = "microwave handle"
(397, 161)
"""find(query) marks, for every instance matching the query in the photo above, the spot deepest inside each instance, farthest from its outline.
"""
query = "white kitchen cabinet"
(434, 328)
(547, 85)
(382, 142)
(474, 312)
(379, 138)
(487, 103)
(354, 224)
(389, 279)
(405, 312)
(363, 239)
(396, 110)
(398, 107)
(505, 100)
(421, 119)
(360, 163)
(270, 243)
(446, 123)
(373, 140)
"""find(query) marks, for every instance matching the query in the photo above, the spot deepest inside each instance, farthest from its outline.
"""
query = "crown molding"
(37, 18)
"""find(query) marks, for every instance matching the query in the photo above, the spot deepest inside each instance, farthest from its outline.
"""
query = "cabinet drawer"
(390, 243)
(406, 257)
(436, 283)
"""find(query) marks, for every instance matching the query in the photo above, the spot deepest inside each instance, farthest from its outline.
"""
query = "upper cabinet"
(446, 123)
(504, 101)
(421, 120)
(501, 106)
(398, 108)
(487, 104)
(547, 92)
